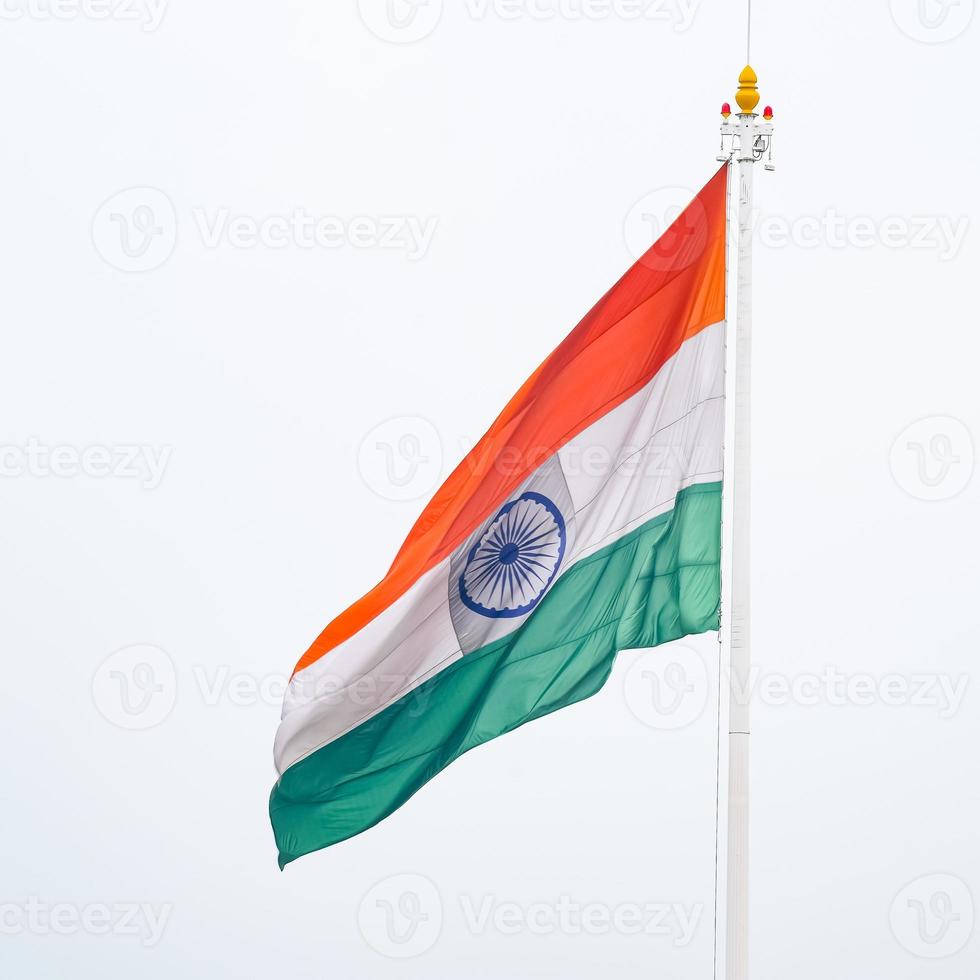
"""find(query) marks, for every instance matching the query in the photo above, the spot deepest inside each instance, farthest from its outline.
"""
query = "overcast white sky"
(238, 238)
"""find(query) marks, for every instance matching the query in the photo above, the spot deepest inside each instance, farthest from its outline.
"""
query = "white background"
(540, 146)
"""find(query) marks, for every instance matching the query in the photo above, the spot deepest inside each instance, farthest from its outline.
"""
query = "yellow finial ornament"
(747, 95)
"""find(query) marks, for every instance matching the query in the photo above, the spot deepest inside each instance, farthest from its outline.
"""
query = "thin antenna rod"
(748, 35)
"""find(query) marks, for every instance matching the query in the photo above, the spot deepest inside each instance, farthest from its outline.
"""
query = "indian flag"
(586, 521)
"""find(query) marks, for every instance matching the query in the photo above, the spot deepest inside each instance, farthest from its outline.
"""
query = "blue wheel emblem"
(510, 568)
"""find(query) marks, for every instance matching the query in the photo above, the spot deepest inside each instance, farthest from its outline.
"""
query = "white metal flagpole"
(751, 139)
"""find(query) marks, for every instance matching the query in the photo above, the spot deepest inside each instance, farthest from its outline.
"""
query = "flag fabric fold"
(586, 521)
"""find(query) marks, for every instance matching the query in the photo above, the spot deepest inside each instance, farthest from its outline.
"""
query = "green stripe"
(658, 583)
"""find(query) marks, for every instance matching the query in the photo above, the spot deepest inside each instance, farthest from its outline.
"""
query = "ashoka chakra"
(510, 568)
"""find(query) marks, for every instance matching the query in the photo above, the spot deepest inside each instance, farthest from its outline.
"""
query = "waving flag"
(586, 521)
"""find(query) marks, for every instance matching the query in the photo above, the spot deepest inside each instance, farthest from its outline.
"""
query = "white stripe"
(623, 470)
(629, 465)
(400, 662)
(421, 610)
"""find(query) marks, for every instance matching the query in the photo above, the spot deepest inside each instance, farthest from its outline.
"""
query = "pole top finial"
(747, 95)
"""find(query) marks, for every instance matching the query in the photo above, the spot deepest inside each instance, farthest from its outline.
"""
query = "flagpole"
(750, 139)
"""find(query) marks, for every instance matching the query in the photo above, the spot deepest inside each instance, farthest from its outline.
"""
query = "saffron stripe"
(676, 290)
